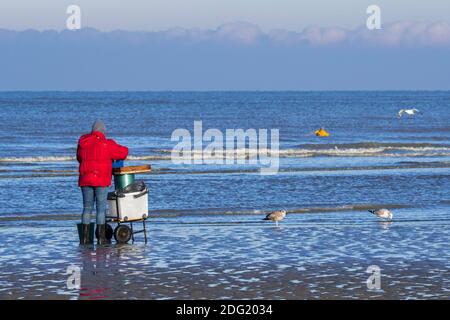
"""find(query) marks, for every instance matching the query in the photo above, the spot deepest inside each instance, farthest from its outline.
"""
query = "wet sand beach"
(310, 256)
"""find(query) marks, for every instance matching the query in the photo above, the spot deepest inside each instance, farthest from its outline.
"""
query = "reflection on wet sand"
(385, 225)
(306, 258)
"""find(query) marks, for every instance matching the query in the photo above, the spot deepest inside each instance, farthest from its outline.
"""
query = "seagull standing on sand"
(276, 216)
(382, 213)
(409, 112)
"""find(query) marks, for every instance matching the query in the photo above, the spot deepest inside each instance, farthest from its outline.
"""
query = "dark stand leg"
(145, 232)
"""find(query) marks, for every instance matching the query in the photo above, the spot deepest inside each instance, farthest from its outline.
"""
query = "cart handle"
(141, 194)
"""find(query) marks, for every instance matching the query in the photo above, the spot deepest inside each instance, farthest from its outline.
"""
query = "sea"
(206, 236)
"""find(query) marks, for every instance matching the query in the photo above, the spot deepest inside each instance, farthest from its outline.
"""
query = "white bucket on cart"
(128, 206)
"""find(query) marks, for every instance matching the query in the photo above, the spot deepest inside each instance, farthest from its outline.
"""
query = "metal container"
(123, 180)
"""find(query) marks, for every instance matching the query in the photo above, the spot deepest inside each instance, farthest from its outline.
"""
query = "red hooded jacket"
(95, 154)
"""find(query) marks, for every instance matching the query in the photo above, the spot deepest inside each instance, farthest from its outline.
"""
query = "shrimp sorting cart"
(128, 203)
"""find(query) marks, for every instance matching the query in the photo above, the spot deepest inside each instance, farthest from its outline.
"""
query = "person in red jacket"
(95, 154)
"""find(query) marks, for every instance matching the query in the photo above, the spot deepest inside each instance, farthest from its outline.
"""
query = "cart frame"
(124, 222)
(133, 231)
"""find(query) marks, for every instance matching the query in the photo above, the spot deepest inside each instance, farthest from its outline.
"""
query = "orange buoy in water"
(321, 133)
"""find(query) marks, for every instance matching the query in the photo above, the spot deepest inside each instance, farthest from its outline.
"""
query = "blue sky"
(154, 15)
(225, 45)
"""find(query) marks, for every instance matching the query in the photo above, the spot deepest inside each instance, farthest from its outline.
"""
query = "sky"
(154, 15)
(224, 45)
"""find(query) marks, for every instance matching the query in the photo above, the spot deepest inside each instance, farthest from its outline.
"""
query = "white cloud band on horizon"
(409, 33)
(397, 33)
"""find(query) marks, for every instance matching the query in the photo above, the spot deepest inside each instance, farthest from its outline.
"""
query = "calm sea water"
(206, 219)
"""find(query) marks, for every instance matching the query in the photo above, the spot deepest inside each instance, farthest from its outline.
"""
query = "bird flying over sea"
(409, 112)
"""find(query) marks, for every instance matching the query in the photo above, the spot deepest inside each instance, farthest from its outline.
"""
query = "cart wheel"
(122, 233)
(108, 232)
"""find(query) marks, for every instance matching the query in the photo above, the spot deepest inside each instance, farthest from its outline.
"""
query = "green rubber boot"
(86, 234)
(102, 234)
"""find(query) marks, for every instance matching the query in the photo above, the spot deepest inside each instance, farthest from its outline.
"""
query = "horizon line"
(225, 90)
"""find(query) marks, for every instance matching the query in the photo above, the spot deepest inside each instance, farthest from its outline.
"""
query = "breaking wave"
(37, 159)
(364, 149)
(72, 158)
